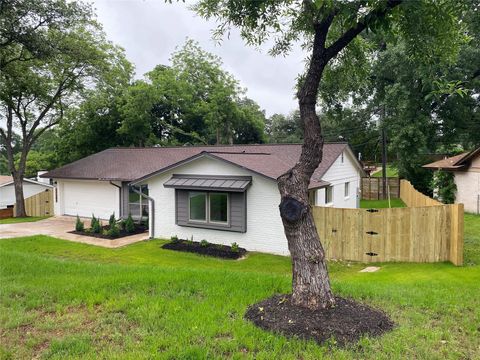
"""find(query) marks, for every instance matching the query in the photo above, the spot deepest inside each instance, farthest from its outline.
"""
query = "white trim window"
(208, 207)
(329, 195)
(342, 158)
(138, 205)
(347, 189)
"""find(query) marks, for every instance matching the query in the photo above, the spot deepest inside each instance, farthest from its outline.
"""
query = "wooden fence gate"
(426, 232)
(40, 204)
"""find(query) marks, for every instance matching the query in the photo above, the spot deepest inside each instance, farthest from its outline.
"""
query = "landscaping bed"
(346, 322)
(205, 248)
(139, 228)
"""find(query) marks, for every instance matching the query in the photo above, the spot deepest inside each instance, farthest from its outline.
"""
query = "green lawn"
(22, 219)
(61, 300)
(391, 172)
(380, 204)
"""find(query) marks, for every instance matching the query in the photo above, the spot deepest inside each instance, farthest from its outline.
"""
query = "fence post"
(456, 234)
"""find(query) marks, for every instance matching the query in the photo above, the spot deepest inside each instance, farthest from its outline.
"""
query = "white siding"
(7, 192)
(468, 187)
(264, 225)
(337, 175)
(86, 197)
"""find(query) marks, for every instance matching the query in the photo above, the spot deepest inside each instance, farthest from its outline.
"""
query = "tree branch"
(361, 25)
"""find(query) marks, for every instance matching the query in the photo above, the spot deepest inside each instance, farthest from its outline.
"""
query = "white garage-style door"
(85, 198)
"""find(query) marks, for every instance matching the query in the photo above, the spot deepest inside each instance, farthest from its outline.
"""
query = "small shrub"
(97, 227)
(145, 223)
(235, 247)
(129, 224)
(93, 221)
(113, 231)
(204, 243)
(112, 221)
(79, 225)
(174, 238)
(121, 225)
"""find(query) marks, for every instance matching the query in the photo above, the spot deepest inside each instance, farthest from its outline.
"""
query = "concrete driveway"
(59, 227)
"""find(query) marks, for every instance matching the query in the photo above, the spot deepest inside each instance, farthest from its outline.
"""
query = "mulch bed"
(215, 250)
(346, 323)
(139, 229)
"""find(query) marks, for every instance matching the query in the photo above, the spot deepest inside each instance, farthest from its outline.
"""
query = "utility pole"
(384, 153)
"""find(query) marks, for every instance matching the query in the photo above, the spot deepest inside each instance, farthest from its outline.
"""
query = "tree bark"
(310, 282)
(19, 196)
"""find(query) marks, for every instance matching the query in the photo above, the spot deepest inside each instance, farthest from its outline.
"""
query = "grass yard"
(16, 220)
(61, 300)
(380, 204)
(391, 172)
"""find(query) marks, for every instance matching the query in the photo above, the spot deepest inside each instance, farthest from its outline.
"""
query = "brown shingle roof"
(129, 164)
(5, 179)
(455, 162)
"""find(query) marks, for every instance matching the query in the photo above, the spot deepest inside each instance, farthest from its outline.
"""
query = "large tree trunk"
(19, 197)
(310, 283)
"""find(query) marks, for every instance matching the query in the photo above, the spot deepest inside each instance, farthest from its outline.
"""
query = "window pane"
(218, 207)
(133, 197)
(328, 194)
(198, 206)
(347, 189)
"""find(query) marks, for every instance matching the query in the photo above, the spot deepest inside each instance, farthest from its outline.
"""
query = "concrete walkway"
(59, 227)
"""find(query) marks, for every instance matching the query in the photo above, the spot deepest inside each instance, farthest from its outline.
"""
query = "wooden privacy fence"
(428, 233)
(412, 197)
(6, 213)
(372, 188)
(40, 204)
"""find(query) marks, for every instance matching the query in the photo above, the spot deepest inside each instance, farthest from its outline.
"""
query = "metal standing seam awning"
(210, 183)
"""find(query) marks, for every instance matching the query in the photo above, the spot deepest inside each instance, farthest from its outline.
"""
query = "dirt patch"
(346, 323)
(139, 229)
(215, 250)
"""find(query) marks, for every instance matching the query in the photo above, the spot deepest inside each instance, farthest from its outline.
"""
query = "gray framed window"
(208, 207)
(347, 189)
(226, 211)
(218, 208)
(197, 206)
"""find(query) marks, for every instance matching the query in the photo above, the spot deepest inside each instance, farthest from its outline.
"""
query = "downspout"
(119, 199)
(151, 209)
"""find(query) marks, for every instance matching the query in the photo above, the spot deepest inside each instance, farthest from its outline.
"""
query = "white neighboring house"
(466, 168)
(223, 194)
(30, 188)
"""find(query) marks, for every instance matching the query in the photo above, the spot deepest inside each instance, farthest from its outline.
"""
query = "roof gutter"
(151, 210)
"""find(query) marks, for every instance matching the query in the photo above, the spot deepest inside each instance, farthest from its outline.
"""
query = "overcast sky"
(150, 30)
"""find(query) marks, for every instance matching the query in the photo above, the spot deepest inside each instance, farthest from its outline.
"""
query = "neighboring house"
(7, 190)
(466, 168)
(223, 194)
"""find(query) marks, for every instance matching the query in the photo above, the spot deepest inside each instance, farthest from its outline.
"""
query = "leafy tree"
(330, 30)
(284, 128)
(192, 101)
(250, 126)
(444, 184)
(50, 53)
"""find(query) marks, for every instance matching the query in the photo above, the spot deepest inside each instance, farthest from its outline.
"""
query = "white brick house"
(223, 194)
